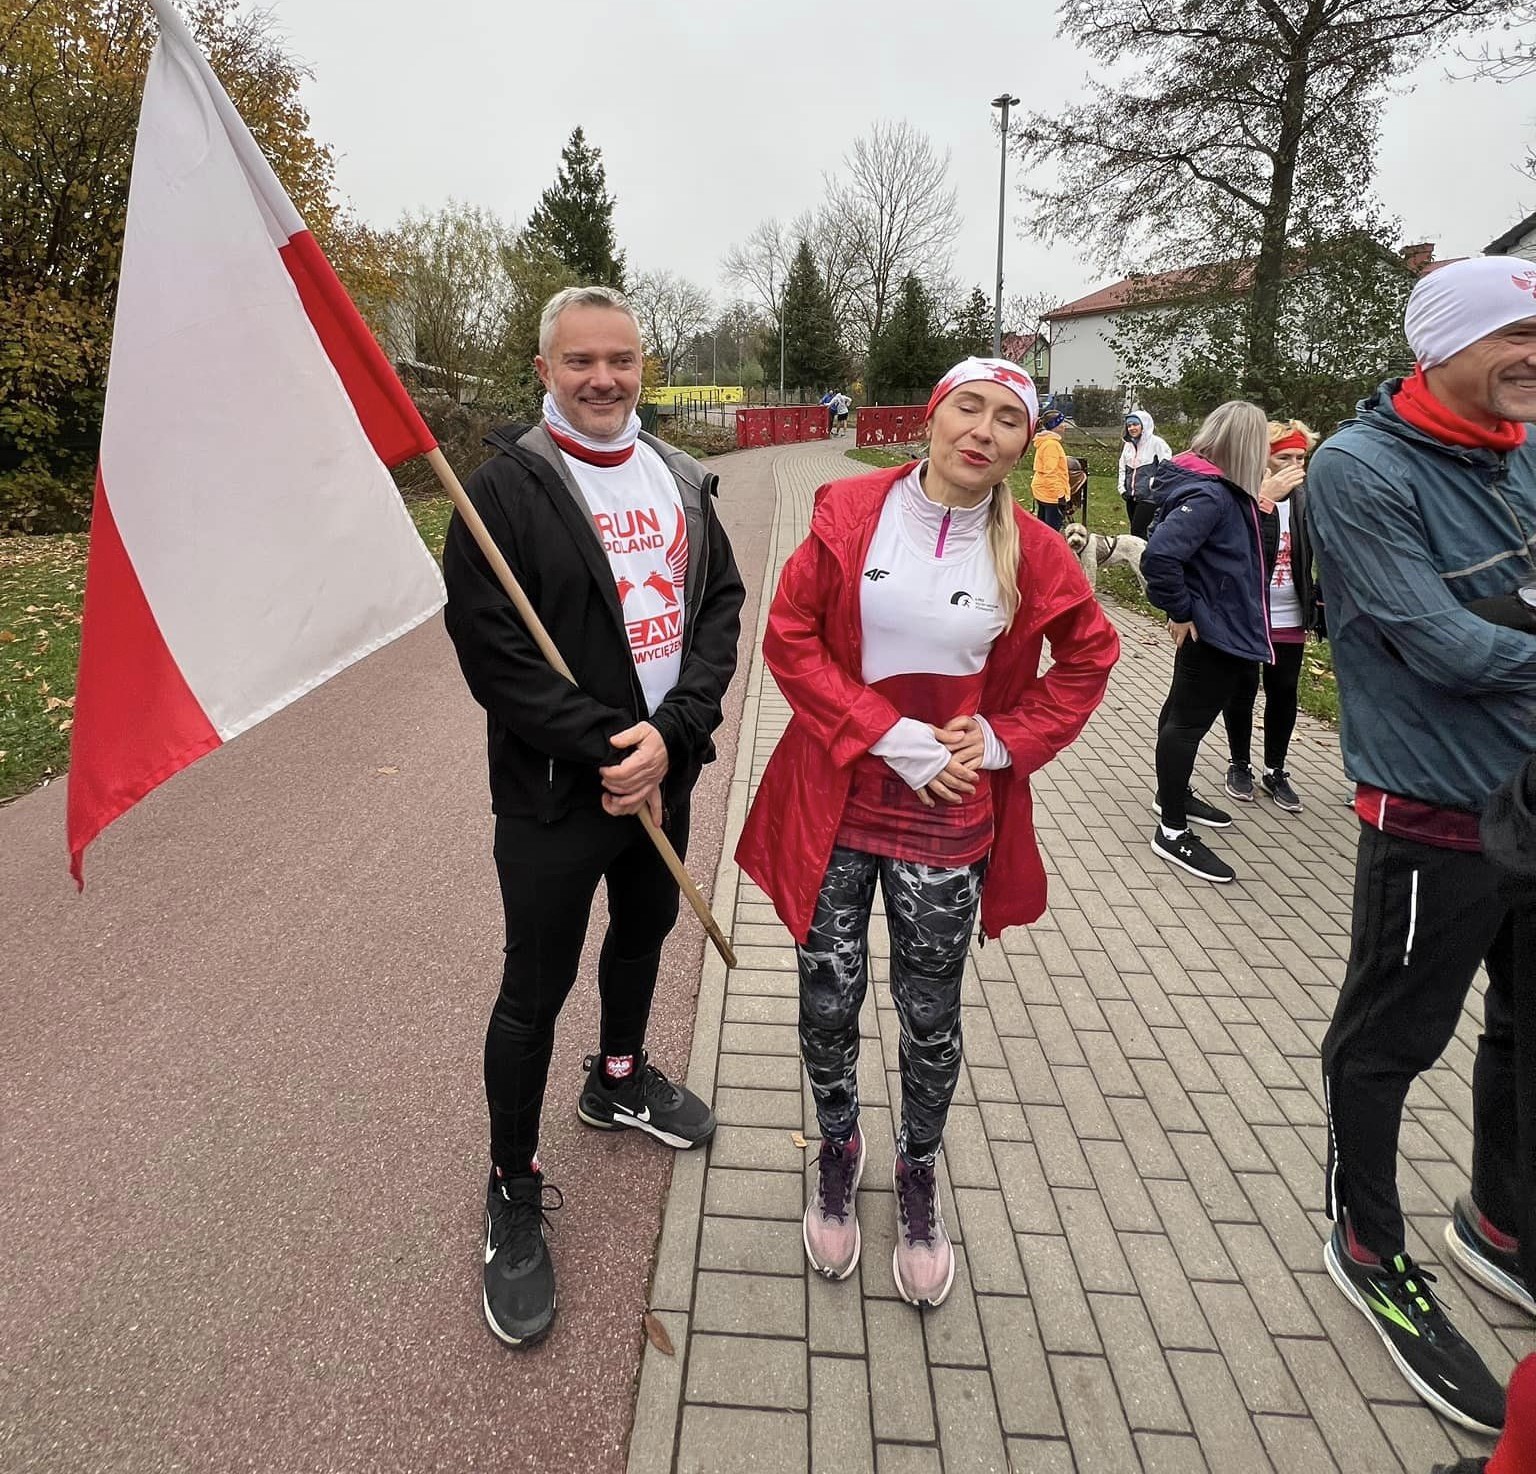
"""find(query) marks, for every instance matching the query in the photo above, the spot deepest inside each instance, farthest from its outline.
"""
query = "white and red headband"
(993, 371)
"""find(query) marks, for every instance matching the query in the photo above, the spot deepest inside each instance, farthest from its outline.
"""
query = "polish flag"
(247, 542)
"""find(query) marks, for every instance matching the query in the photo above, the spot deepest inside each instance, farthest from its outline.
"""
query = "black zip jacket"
(546, 737)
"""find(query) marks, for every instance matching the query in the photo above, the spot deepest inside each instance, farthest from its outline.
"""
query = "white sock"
(1172, 834)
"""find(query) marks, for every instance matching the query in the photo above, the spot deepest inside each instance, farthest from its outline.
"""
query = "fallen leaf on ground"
(7, 638)
(384, 771)
(656, 1334)
(798, 1138)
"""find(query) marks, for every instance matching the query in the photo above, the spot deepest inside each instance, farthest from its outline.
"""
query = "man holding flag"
(614, 538)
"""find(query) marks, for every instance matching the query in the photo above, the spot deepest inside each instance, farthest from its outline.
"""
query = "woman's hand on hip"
(1181, 630)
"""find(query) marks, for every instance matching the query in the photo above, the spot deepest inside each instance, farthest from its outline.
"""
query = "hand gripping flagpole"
(547, 647)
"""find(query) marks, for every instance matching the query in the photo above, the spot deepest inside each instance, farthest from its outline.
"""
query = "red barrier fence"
(781, 425)
(890, 424)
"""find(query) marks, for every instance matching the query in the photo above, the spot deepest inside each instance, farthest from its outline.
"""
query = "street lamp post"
(782, 298)
(1005, 102)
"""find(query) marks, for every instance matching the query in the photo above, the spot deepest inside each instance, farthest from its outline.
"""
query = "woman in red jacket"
(906, 636)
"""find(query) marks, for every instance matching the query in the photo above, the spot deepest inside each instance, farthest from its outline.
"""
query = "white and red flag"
(247, 541)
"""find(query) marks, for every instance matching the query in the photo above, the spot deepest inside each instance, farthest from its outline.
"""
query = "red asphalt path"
(242, 1122)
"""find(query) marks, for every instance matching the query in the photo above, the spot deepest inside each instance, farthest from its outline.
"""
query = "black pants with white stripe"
(1424, 919)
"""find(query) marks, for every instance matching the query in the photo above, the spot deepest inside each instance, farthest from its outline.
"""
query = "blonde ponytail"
(1003, 540)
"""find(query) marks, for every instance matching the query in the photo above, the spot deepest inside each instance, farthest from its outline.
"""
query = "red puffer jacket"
(813, 648)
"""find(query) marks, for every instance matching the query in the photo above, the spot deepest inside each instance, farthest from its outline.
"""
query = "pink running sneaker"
(923, 1261)
(831, 1226)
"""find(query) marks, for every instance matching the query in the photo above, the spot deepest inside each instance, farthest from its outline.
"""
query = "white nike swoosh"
(643, 1114)
(490, 1253)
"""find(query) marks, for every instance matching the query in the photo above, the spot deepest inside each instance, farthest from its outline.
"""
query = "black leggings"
(1205, 680)
(931, 912)
(549, 874)
(1142, 514)
(1280, 684)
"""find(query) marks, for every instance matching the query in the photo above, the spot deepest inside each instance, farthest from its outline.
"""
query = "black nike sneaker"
(1439, 1363)
(1492, 1267)
(647, 1101)
(519, 1295)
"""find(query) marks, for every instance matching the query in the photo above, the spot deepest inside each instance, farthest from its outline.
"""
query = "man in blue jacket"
(1423, 511)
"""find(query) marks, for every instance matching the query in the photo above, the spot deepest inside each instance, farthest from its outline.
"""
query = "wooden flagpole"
(514, 591)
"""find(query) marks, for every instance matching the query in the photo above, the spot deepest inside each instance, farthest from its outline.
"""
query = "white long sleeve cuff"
(912, 752)
(994, 755)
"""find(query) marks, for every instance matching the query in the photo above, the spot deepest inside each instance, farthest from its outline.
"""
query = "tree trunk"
(1269, 269)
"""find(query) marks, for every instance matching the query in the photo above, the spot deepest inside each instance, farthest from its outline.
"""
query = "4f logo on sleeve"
(874, 575)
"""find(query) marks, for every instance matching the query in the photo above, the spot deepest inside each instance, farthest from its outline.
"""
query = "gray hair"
(580, 297)
(1234, 438)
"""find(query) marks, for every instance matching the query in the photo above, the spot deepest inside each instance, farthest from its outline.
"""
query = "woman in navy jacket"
(1204, 567)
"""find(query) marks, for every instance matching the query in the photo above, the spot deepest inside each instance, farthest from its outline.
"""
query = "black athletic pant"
(1281, 681)
(1424, 918)
(1142, 514)
(549, 874)
(1053, 514)
(1205, 680)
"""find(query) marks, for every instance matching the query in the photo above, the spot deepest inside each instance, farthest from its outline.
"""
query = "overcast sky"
(713, 116)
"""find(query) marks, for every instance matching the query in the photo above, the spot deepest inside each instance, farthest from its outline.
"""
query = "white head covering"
(1455, 305)
(994, 371)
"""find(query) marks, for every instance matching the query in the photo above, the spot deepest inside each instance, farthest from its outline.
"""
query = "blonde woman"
(1204, 567)
(906, 636)
(1294, 613)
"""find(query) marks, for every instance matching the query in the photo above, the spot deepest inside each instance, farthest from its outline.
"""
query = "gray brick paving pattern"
(1133, 1167)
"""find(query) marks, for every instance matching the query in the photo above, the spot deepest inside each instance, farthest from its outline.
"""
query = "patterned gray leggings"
(931, 913)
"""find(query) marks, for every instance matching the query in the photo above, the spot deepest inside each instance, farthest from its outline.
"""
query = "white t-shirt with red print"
(639, 517)
(1284, 605)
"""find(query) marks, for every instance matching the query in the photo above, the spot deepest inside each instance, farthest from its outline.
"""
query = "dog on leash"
(1095, 551)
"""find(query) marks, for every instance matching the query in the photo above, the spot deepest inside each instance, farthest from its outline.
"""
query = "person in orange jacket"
(1050, 485)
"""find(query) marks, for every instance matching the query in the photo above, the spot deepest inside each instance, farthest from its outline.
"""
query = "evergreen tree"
(973, 326)
(573, 220)
(813, 358)
(910, 353)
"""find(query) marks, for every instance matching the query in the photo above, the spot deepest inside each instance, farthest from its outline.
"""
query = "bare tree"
(672, 312)
(899, 212)
(829, 233)
(1246, 134)
(453, 292)
(1513, 57)
(759, 266)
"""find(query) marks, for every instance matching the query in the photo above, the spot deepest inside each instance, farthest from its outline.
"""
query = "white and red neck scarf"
(594, 452)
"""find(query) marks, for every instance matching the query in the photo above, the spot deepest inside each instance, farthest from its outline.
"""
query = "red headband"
(1294, 441)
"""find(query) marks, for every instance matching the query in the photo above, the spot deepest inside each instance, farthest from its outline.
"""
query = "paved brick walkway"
(1133, 1164)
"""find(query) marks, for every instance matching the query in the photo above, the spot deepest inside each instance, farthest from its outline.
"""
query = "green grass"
(42, 584)
(1319, 695)
(431, 514)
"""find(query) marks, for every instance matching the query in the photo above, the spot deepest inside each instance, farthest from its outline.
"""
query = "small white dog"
(1095, 551)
